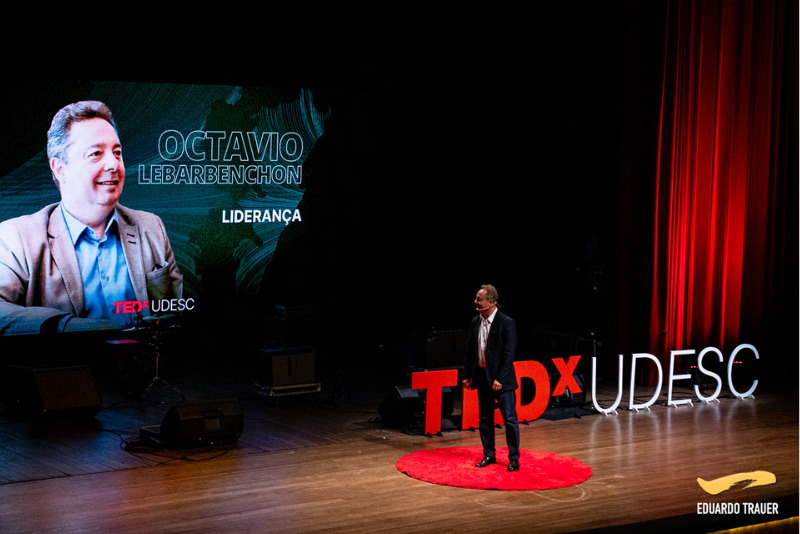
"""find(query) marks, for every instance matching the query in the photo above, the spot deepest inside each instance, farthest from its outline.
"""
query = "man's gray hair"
(491, 292)
(58, 134)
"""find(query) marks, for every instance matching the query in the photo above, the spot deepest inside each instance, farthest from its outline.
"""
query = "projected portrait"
(176, 203)
(80, 263)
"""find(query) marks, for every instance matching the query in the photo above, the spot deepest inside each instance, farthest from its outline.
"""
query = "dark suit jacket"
(39, 274)
(501, 347)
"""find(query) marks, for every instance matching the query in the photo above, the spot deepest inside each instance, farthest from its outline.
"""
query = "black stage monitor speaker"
(202, 423)
(52, 392)
(568, 398)
(403, 407)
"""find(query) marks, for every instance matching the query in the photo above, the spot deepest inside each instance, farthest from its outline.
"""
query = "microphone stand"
(155, 342)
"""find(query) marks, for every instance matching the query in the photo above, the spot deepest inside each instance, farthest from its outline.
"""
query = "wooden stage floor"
(319, 463)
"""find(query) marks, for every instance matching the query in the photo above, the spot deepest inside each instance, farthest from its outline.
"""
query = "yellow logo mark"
(754, 478)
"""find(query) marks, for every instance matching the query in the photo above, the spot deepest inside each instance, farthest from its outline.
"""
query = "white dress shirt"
(483, 336)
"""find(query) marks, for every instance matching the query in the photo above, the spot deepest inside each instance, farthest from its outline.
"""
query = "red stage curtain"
(724, 205)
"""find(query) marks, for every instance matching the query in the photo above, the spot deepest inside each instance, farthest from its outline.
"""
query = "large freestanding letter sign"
(434, 381)
(749, 392)
(613, 407)
(647, 404)
(535, 371)
(673, 377)
(567, 379)
(708, 373)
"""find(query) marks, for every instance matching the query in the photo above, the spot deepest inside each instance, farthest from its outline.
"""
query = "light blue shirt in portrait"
(103, 269)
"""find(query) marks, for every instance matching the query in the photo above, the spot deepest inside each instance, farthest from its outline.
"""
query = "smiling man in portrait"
(64, 267)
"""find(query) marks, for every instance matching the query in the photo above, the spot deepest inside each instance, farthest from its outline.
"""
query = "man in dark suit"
(489, 368)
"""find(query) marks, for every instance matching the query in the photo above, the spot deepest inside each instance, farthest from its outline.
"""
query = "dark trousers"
(507, 402)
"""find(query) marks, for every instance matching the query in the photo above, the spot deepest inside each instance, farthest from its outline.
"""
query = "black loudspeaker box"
(287, 367)
(202, 423)
(568, 398)
(52, 392)
(404, 407)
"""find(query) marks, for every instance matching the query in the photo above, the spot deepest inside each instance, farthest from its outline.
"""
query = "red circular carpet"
(455, 466)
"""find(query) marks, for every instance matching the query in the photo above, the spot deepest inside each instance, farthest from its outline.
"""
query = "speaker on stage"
(287, 367)
(202, 423)
(403, 407)
(568, 398)
(51, 392)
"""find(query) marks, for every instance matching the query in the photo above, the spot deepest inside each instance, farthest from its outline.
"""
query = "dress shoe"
(513, 465)
(486, 461)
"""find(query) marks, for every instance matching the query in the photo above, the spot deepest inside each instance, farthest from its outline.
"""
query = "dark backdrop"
(469, 151)
(464, 147)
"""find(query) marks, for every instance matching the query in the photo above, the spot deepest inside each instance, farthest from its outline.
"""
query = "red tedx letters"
(435, 381)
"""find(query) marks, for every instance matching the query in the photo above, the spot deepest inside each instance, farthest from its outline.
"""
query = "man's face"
(482, 303)
(92, 177)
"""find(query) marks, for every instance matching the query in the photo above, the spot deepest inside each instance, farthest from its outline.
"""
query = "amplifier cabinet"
(52, 391)
(287, 367)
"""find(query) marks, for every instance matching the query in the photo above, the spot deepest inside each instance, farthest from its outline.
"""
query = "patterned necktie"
(484, 336)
